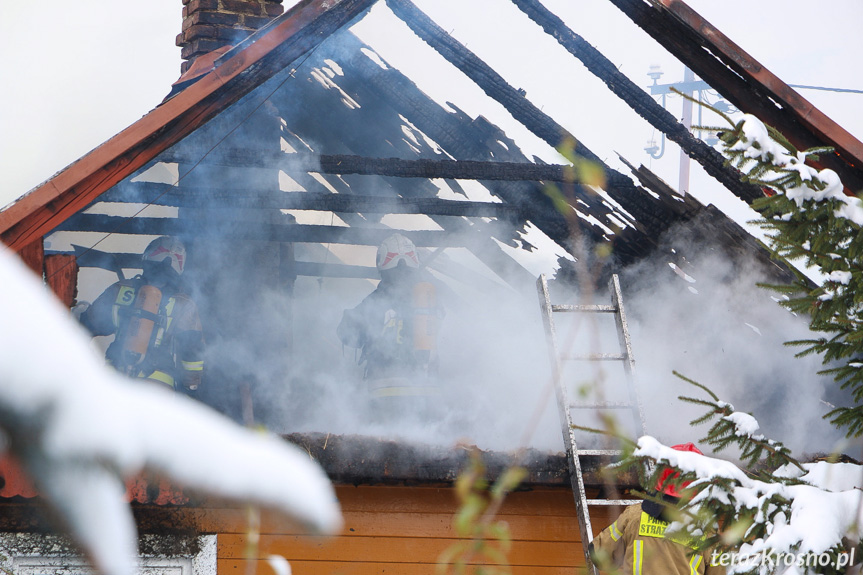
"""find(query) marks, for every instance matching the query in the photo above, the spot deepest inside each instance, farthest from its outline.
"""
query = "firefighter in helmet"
(396, 327)
(157, 330)
(636, 544)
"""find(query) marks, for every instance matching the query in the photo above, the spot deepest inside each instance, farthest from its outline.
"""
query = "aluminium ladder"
(566, 408)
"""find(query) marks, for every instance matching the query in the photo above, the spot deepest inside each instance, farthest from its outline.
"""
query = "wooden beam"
(338, 133)
(463, 137)
(33, 255)
(744, 82)
(167, 195)
(639, 100)
(619, 186)
(258, 231)
(61, 274)
(110, 261)
(396, 167)
(288, 37)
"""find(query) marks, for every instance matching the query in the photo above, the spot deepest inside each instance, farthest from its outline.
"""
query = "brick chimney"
(212, 24)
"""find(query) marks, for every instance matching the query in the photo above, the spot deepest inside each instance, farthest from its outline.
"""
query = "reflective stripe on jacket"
(176, 348)
(636, 544)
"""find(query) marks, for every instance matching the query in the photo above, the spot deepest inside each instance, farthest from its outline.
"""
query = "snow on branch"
(79, 428)
(812, 220)
(772, 510)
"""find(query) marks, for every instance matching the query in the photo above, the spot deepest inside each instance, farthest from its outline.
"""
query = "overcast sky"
(79, 72)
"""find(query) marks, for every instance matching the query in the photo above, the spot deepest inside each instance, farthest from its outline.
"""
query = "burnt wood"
(167, 195)
(728, 73)
(397, 167)
(125, 260)
(619, 186)
(251, 230)
(639, 100)
(377, 130)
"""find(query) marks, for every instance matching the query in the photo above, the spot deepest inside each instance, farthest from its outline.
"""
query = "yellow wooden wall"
(402, 531)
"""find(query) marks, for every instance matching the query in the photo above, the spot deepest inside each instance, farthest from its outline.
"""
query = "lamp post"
(689, 86)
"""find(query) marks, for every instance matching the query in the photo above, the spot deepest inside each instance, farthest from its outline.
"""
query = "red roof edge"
(849, 148)
(14, 482)
(257, 59)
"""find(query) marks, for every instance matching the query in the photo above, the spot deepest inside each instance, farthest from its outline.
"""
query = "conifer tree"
(772, 511)
(761, 517)
(810, 218)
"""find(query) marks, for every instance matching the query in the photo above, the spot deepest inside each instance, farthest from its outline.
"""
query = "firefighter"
(396, 328)
(636, 543)
(157, 330)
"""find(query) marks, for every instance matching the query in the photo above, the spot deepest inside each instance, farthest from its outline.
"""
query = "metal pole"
(683, 185)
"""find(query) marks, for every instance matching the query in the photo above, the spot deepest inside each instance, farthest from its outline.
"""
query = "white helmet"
(396, 249)
(164, 248)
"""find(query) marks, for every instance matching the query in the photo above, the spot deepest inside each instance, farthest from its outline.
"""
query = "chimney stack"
(212, 24)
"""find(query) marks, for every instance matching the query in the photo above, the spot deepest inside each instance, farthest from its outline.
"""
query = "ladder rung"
(586, 308)
(593, 357)
(602, 405)
(602, 452)
(621, 502)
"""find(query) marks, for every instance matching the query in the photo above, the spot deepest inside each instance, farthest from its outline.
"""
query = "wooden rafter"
(291, 35)
(285, 233)
(746, 83)
(640, 101)
(167, 195)
(396, 167)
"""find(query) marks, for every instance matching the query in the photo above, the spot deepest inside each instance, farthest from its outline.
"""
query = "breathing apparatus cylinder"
(425, 316)
(145, 312)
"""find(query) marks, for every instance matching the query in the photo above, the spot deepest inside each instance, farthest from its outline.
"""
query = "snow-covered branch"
(811, 219)
(763, 514)
(79, 429)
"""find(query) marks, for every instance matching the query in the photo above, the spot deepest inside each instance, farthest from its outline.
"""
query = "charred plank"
(396, 167)
(639, 100)
(257, 231)
(167, 195)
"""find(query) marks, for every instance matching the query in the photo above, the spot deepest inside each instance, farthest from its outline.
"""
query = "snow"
(823, 510)
(756, 143)
(687, 461)
(80, 429)
(826, 475)
(744, 423)
(842, 277)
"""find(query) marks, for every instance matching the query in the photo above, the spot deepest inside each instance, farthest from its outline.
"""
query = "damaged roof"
(356, 116)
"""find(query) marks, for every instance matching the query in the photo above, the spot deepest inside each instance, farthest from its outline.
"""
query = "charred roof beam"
(397, 167)
(285, 233)
(746, 83)
(619, 186)
(639, 100)
(168, 195)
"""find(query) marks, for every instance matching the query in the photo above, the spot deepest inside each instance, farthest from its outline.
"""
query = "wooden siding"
(402, 530)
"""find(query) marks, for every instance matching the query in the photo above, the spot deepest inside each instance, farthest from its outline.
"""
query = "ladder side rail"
(626, 347)
(575, 471)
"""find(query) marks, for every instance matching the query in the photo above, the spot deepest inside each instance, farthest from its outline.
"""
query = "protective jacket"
(385, 326)
(175, 351)
(636, 544)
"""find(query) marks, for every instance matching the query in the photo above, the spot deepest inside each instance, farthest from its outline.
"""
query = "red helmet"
(670, 474)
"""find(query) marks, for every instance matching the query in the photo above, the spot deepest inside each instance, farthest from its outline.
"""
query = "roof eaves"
(294, 33)
(750, 68)
(746, 83)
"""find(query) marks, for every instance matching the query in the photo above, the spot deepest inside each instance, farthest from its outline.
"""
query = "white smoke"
(707, 320)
